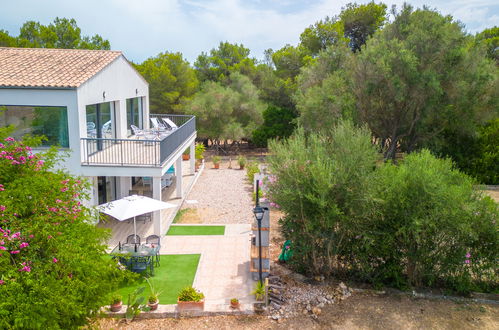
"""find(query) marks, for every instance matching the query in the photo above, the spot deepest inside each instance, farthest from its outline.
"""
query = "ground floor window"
(51, 122)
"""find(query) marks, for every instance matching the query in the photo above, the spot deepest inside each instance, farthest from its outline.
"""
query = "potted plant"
(216, 162)
(242, 161)
(186, 155)
(190, 299)
(259, 291)
(199, 154)
(153, 299)
(234, 303)
(116, 302)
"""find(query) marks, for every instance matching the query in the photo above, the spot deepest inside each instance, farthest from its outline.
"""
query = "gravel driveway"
(219, 196)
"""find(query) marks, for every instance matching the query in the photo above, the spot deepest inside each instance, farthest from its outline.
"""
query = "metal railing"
(135, 151)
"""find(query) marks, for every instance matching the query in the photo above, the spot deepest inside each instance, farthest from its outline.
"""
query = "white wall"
(119, 81)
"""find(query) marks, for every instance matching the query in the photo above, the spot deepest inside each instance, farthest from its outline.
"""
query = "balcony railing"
(135, 151)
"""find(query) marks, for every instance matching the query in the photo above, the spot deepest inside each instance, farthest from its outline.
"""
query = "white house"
(86, 101)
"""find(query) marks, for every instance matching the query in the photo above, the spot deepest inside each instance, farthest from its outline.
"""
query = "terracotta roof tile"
(52, 68)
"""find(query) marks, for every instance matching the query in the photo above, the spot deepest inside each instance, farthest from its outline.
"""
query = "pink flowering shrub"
(54, 273)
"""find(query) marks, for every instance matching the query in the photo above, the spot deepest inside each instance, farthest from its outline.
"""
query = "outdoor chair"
(153, 239)
(142, 265)
(133, 239)
(156, 240)
(137, 131)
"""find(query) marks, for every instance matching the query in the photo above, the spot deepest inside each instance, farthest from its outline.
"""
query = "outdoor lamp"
(259, 211)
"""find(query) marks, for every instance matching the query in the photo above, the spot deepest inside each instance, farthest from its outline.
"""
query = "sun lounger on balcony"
(137, 131)
(157, 124)
(169, 123)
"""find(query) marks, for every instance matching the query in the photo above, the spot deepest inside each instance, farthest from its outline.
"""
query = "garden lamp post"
(258, 211)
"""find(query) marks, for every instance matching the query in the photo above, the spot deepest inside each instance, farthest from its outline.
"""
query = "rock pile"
(293, 298)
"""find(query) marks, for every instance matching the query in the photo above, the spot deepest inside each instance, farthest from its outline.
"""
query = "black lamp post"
(259, 211)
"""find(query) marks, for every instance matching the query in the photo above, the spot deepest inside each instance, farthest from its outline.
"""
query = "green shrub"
(319, 183)
(252, 169)
(430, 227)
(190, 294)
(277, 123)
(419, 223)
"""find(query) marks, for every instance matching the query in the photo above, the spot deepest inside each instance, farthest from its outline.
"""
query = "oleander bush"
(419, 223)
(53, 270)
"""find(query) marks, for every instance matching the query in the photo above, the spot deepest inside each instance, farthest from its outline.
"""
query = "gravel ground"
(223, 196)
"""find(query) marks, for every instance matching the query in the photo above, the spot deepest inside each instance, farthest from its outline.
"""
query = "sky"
(144, 28)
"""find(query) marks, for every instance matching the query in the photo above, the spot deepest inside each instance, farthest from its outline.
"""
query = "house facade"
(86, 103)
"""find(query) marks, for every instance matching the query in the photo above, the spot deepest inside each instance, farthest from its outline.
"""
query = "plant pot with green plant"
(242, 161)
(234, 303)
(116, 303)
(186, 155)
(153, 299)
(259, 291)
(199, 154)
(216, 162)
(189, 299)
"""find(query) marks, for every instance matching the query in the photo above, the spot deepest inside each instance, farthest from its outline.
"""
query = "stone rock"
(316, 311)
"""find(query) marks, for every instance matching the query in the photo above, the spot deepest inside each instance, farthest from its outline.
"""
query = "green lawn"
(196, 230)
(175, 273)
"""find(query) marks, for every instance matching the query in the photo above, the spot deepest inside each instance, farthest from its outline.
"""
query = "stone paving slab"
(223, 271)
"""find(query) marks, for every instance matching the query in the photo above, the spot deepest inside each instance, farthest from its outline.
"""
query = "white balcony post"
(178, 176)
(193, 157)
(156, 194)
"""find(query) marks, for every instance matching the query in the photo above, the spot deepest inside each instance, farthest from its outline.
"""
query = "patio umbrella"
(132, 206)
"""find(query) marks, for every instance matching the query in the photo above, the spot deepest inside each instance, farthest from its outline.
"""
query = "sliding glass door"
(100, 124)
(134, 114)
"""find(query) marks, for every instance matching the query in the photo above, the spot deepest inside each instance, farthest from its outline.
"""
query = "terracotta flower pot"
(216, 166)
(116, 307)
(184, 306)
(234, 304)
(153, 306)
(186, 157)
(241, 167)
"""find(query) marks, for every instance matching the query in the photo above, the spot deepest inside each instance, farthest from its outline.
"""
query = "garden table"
(133, 254)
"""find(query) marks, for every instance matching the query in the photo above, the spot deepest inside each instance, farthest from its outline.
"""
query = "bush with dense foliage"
(419, 223)
(53, 270)
(320, 186)
(429, 226)
(277, 123)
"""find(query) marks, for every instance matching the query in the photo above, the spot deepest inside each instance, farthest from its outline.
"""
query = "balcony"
(138, 152)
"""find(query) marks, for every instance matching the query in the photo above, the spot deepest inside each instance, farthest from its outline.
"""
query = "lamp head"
(258, 212)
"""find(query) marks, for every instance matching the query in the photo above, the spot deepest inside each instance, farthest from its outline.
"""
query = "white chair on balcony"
(137, 132)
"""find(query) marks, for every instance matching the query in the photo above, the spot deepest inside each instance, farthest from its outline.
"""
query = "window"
(51, 122)
(134, 113)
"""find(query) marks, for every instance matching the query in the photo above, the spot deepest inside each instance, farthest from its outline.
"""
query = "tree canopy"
(222, 61)
(172, 82)
(61, 33)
